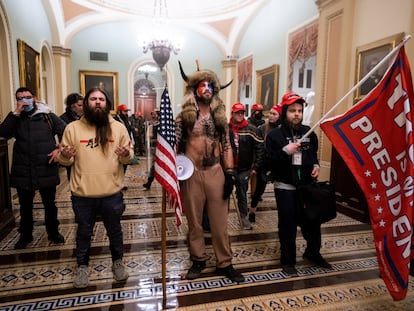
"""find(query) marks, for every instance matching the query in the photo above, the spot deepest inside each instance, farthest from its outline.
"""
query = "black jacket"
(249, 154)
(69, 116)
(34, 140)
(280, 163)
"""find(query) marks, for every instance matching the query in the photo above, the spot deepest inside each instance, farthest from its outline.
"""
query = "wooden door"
(350, 200)
(6, 213)
(145, 105)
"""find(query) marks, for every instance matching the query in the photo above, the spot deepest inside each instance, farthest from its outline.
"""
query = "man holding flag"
(203, 136)
(375, 139)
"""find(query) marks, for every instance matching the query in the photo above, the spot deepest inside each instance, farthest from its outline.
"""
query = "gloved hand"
(229, 181)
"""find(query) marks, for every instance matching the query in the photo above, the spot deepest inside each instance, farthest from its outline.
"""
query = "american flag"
(165, 166)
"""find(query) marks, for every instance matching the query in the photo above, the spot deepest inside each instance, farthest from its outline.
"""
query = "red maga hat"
(123, 107)
(290, 98)
(257, 107)
(238, 107)
(277, 108)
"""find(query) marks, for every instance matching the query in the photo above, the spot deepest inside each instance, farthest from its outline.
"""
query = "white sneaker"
(82, 277)
(118, 269)
(246, 224)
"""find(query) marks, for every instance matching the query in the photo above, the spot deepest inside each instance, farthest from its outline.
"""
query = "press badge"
(297, 158)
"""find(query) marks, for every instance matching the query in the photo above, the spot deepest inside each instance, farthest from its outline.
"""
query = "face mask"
(28, 107)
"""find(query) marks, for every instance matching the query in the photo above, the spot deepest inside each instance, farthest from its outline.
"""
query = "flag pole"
(382, 62)
(163, 249)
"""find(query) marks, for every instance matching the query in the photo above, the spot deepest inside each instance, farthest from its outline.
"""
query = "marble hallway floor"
(40, 277)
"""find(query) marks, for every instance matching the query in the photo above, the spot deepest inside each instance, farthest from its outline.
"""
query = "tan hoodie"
(95, 174)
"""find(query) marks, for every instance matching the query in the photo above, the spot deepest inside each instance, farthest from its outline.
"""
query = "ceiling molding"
(72, 10)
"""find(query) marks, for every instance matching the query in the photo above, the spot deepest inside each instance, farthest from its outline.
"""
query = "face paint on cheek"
(204, 86)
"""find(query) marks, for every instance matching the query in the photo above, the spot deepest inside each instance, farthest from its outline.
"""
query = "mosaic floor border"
(153, 289)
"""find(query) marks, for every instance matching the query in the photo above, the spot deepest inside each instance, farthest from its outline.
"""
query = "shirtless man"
(203, 136)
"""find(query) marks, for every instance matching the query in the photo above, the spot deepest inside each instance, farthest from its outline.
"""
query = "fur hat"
(190, 109)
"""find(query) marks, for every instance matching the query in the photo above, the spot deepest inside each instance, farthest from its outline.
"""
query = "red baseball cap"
(238, 107)
(290, 98)
(277, 108)
(123, 107)
(257, 107)
(138, 113)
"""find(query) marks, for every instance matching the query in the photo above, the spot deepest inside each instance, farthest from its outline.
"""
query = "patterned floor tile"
(42, 274)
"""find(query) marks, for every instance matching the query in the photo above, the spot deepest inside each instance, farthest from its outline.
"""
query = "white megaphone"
(185, 167)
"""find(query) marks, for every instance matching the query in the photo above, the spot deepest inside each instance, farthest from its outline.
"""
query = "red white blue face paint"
(204, 86)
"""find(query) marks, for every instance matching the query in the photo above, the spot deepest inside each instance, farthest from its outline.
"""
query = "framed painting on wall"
(29, 67)
(267, 86)
(367, 57)
(106, 80)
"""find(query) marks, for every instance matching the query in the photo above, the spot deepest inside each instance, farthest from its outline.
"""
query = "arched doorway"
(145, 97)
(47, 84)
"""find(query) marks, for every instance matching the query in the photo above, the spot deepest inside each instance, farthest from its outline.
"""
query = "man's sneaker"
(195, 271)
(290, 270)
(56, 238)
(246, 224)
(231, 274)
(318, 260)
(23, 241)
(82, 277)
(118, 269)
(252, 217)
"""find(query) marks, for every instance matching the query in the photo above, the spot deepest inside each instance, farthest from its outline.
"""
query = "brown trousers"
(204, 189)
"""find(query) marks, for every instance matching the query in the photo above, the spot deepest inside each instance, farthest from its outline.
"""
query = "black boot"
(147, 185)
(195, 271)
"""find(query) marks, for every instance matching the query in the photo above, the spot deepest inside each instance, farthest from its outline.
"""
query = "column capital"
(230, 61)
(58, 50)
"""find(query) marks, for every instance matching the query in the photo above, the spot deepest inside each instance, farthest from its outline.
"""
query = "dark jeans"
(151, 175)
(111, 208)
(26, 211)
(285, 200)
(311, 231)
(259, 190)
(242, 184)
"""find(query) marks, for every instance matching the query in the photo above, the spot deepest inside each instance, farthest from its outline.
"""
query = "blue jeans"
(111, 208)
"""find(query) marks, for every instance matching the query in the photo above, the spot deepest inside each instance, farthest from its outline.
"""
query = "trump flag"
(375, 139)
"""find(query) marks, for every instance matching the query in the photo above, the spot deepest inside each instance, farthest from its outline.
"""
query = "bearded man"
(97, 146)
(203, 136)
(294, 162)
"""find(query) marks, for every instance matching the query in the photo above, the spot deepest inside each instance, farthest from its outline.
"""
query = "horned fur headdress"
(190, 109)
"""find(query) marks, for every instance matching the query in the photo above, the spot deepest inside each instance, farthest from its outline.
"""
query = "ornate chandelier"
(160, 45)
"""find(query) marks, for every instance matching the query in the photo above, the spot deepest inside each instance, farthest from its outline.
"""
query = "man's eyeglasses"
(24, 97)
